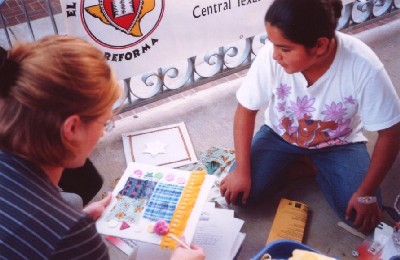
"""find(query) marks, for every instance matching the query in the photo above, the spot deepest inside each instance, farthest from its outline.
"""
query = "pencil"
(179, 241)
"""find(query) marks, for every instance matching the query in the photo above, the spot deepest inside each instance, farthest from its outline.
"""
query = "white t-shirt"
(354, 93)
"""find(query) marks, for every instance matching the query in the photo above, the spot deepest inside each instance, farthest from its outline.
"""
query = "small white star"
(155, 148)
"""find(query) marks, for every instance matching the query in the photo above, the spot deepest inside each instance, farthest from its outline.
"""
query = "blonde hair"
(57, 77)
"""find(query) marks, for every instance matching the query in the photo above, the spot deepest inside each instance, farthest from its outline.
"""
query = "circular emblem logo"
(119, 24)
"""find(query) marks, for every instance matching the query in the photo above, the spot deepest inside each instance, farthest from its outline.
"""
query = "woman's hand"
(95, 209)
(194, 253)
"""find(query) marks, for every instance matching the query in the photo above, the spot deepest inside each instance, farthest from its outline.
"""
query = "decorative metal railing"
(197, 70)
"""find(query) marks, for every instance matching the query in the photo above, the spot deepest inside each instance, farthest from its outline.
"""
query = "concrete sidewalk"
(208, 116)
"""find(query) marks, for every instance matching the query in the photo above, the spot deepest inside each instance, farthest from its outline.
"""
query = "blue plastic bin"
(281, 249)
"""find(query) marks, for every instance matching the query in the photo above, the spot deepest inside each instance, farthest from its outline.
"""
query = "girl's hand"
(366, 217)
(233, 185)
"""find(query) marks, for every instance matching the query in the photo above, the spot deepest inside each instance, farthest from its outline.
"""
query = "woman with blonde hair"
(56, 99)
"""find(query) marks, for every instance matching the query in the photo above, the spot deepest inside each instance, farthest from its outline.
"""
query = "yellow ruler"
(184, 208)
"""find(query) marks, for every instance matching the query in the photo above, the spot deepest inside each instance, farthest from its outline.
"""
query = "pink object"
(124, 225)
(181, 180)
(170, 177)
(161, 228)
(138, 172)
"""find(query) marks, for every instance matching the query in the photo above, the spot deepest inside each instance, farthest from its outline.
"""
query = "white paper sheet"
(238, 242)
(219, 231)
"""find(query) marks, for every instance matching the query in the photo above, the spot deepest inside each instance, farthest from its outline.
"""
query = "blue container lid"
(282, 249)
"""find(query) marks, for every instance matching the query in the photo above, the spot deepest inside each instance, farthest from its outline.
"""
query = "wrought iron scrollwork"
(163, 82)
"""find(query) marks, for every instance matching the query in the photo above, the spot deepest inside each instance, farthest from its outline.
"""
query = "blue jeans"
(340, 169)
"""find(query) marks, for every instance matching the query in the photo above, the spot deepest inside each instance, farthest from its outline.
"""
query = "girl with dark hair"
(322, 88)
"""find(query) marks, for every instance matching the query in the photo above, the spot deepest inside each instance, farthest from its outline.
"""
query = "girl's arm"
(239, 180)
(385, 153)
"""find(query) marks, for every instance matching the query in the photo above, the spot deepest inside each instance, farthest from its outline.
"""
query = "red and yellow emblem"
(124, 15)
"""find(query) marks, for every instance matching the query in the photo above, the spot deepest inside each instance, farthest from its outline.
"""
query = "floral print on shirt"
(298, 127)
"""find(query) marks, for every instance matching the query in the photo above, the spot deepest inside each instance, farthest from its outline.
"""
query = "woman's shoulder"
(17, 170)
(34, 207)
(28, 189)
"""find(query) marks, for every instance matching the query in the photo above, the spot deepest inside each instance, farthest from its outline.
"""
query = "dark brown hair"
(304, 21)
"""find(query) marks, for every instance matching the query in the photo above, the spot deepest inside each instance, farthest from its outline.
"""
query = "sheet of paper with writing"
(217, 230)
